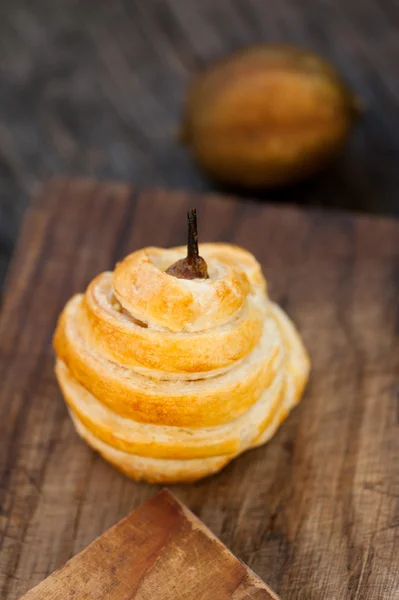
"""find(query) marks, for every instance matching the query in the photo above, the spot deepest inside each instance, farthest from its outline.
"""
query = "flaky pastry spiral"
(170, 379)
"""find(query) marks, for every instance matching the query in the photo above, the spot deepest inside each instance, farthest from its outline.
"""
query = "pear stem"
(192, 241)
(193, 266)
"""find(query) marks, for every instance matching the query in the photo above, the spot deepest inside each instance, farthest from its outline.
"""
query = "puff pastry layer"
(170, 379)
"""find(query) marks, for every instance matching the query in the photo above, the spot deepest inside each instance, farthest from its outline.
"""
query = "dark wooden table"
(96, 87)
(315, 513)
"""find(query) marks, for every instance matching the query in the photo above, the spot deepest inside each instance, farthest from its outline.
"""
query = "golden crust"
(143, 287)
(168, 402)
(171, 379)
(157, 470)
(169, 442)
(152, 469)
(123, 340)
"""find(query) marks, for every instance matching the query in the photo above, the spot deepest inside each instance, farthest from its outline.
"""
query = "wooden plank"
(160, 551)
(314, 513)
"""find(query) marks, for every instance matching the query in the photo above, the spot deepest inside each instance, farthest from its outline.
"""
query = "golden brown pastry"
(170, 379)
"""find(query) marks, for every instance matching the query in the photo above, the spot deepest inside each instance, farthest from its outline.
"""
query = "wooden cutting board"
(160, 551)
(315, 512)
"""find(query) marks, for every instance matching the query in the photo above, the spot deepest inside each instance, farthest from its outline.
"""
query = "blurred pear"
(267, 116)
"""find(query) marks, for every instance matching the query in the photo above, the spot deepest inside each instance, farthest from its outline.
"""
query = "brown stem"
(193, 266)
(192, 241)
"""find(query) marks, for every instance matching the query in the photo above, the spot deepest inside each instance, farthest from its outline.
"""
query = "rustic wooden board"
(314, 513)
(160, 551)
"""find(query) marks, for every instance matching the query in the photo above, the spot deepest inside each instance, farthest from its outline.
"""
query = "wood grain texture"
(95, 88)
(315, 513)
(160, 551)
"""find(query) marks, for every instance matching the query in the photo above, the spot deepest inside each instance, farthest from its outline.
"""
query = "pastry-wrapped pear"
(173, 365)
